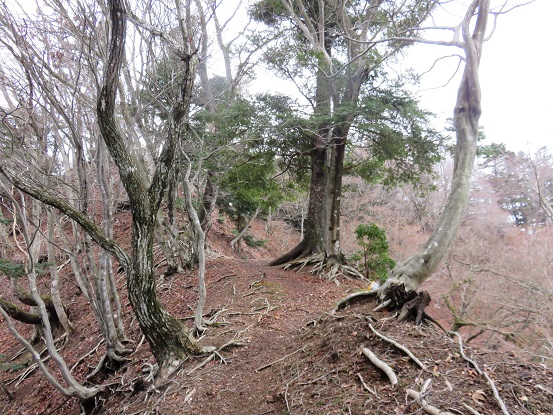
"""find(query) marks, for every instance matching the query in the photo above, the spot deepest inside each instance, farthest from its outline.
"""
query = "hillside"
(295, 355)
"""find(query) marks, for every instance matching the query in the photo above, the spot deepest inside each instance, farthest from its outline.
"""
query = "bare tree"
(72, 388)
(59, 114)
(414, 270)
(146, 181)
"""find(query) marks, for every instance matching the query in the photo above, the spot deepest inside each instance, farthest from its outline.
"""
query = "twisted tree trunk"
(169, 340)
(414, 270)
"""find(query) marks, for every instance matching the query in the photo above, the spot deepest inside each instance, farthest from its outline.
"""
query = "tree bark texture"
(169, 340)
(414, 270)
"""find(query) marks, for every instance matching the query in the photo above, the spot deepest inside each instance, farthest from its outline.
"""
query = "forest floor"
(298, 355)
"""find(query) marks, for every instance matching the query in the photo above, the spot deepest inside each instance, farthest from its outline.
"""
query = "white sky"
(515, 75)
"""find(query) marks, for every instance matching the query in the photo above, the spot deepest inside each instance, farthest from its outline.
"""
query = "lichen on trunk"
(170, 341)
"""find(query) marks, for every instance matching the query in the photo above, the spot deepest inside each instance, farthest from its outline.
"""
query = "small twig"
(519, 402)
(279, 360)
(6, 392)
(381, 365)
(471, 409)
(189, 395)
(319, 378)
(540, 387)
(366, 386)
(256, 282)
(426, 385)
(432, 410)
(484, 374)
(400, 347)
(82, 358)
(139, 344)
(232, 274)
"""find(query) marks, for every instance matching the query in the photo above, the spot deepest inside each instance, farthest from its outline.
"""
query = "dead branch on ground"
(381, 365)
(483, 374)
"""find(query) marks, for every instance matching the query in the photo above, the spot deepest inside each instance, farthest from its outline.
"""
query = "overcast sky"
(515, 74)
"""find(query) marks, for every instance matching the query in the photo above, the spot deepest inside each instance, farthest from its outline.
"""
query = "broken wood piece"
(383, 305)
(471, 409)
(366, 386)
(381, 365)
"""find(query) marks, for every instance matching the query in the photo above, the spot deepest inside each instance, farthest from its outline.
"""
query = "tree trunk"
(169, 340)
(413, 271)
(313, 241)
(241, 234)
(18, 314)
(316, 225)
(54, 288)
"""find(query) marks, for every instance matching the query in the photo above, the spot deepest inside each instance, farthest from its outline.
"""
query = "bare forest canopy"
(144, 141)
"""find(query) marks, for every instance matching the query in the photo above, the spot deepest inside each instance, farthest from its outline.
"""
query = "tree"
(413, 271)
(342, 44)
(145, 178)
(524, 184)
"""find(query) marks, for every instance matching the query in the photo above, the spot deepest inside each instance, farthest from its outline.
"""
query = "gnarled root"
(324, 266)
(410, 303)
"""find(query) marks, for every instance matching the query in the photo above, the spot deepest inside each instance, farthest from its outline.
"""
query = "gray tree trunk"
(414, 270)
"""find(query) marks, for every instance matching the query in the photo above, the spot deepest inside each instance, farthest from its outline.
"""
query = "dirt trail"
(298, 357)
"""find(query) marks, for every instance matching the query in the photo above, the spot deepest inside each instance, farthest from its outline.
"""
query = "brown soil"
(298, 357)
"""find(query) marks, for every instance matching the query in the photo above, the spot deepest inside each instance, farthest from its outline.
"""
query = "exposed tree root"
(381, 365)
(110, 361)
(400, 347)
(299, 251)
(320, 265)
(484, 375)
(410, 303)
(356, 296)
(415, 307)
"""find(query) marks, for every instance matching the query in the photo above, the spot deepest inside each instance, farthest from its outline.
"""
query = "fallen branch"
(432, 410)
(356, 295)
(400, 347)
(366, 386)
(259, 369)
(471, 409)
(381, 365)
(483, 374)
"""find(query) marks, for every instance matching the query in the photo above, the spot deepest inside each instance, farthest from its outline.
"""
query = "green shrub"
(374, 255)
